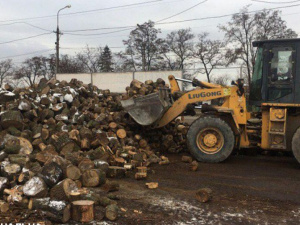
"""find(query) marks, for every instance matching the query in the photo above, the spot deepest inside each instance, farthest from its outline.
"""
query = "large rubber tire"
(296, 144)
(210, 122)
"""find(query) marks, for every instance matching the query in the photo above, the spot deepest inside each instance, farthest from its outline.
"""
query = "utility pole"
(57, 51)
(57, 41)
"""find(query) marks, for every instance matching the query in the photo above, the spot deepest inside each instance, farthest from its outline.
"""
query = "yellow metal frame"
(233, 105)
(198, 95)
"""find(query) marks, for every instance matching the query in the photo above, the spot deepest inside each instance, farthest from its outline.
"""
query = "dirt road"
(247, 190)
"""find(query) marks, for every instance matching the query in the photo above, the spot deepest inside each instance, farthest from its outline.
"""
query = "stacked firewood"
(138, 88)
(59, 139)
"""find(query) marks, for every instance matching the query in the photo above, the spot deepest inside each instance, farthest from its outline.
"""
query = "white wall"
(117, 82)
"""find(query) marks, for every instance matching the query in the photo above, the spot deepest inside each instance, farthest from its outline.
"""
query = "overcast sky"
(15, 12)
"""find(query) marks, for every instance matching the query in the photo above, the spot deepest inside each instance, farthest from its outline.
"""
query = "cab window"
(281, 65)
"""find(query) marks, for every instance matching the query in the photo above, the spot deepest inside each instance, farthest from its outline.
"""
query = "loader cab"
(276, 74)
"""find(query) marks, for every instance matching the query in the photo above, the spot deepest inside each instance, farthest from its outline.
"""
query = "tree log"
(58, 211)
(135, 84)
(12, 119)
(86, 164)
(93, 178)
(25, 176)
(26, 147)
(111, 212)
(73, 172)
(24, 105)
(4, 184)
(101, 164)
(35, 187)
(52, 173)
(111, 186)
(10, 171)
(143, 143)
(62, 190)
(186, 159)
(85, 144)
(4, 206)
(121, 133)
(48, 153)
(113, 125)
(60, 139)
(194, 166)
(83, 211)
(18, 159)
(12, 146)
(116, 172)
(204, 195)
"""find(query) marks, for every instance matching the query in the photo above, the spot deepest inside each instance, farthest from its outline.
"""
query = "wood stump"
(83, 211)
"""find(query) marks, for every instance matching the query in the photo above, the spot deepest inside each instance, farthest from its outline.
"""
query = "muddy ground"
(247, 190)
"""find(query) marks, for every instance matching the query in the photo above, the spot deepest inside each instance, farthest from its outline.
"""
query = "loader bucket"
(147, 110)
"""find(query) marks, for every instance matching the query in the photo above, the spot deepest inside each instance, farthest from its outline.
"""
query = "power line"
(194, 6)
(68, 32)
(181, 21)
(29, 53)
(93, 29)
(99, 34)
(86, 11)
(226, 15)
(89, 47)
(20, 39)
(26, 24)
(275, 2)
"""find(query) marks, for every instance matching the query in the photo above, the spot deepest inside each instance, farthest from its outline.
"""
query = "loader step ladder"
(277, 128)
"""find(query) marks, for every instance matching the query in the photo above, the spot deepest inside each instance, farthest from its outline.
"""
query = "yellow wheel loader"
(270, 119)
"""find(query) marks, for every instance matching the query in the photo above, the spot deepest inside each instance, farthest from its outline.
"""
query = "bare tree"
(6, 67)
(90, 59)
(143, 46)
(222, 79)
(209, 53)
(25, 74)
(180, 44)
(244, 28)
(122, 63)
(46, 68)
(68, 64)
(34, 68)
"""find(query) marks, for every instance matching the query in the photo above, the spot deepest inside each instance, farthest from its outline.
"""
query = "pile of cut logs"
(58, 140)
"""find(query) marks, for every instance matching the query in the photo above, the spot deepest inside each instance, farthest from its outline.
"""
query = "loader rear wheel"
(210, 139)
(296, 144)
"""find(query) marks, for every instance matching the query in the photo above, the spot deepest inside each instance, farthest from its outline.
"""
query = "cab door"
(280, 73)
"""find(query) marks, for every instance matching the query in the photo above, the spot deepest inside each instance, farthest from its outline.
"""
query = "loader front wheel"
(296, 144)
(210, 139)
